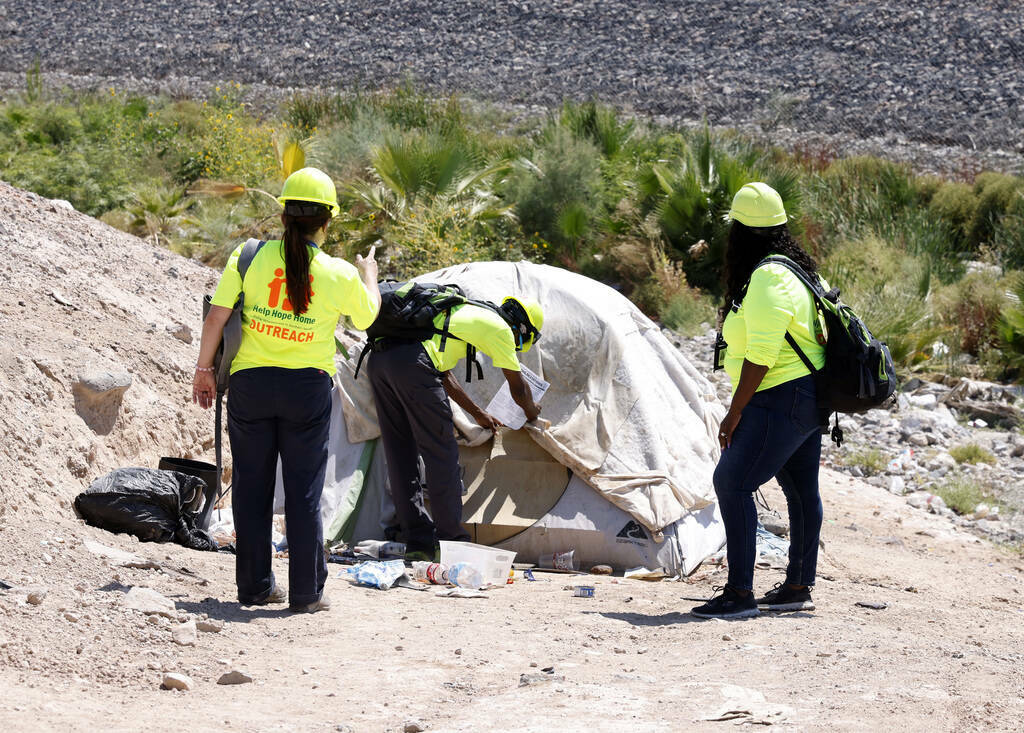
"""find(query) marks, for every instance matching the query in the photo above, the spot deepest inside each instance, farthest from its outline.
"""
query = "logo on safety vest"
(277, 288)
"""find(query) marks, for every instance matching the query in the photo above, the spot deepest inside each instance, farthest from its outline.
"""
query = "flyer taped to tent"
(503, 408)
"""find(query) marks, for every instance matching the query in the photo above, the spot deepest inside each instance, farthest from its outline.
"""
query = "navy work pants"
(778, 435)
(416, 420)
(279, 412)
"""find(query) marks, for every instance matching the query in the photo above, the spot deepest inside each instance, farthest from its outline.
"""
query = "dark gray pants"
(416, 420)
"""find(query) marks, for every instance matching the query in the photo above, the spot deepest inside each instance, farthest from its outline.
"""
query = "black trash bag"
(152, 504)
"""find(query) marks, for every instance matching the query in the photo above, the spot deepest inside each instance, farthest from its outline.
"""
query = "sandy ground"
(84, 300)
(945, 654)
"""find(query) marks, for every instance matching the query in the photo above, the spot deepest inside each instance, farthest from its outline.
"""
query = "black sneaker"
(784, 598)
(727, 604)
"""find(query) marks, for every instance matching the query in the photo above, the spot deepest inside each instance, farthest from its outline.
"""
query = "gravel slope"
(949, 74)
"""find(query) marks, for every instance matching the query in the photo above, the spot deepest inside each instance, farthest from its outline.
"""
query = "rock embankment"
(876, 76)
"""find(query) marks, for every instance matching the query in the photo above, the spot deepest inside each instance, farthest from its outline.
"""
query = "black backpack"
(407, 313)
(859, 373)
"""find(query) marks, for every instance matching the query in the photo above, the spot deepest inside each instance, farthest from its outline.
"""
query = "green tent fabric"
(344, 521)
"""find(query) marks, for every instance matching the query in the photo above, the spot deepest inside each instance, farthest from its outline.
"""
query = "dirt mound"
(100, 336)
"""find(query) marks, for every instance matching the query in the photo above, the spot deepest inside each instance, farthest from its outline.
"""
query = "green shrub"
(1008, 234)
(1010, 329)
(599, 124)
(890, 290)
(560, 199)
(688, 310)
(997, 193)
(971, 309)
(962, 493)
(956, 204)
(871, 461)
(971, 453)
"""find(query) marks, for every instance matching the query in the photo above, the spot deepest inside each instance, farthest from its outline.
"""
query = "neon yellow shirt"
(481, 327)
(776, 301)
(272, 334)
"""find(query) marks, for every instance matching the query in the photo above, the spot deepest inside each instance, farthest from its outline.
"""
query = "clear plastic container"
(465, 575)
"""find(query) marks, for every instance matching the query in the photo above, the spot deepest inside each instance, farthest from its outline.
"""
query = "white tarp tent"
(621, 471)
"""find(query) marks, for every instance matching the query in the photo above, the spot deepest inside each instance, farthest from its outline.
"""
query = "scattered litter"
(642, 573)
(876, 605)
(466, 575)
(375, 574)
(583, 591)
(528, 574)
(559, 561)
(404, 581)
(460, 593)
(379, 549)
(601, 570)
(346, 558)
(5, 586)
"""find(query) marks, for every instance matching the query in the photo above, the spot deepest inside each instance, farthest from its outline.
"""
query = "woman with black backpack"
(772, 428)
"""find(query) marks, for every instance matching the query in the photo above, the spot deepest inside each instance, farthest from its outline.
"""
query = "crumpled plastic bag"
(376, 574)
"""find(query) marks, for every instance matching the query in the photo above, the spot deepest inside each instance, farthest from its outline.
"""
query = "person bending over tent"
(412, 381)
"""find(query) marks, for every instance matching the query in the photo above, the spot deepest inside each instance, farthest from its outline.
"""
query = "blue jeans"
(778, 435)
(279, 412)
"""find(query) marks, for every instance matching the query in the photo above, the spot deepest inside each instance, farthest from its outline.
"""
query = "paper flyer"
(503, 407)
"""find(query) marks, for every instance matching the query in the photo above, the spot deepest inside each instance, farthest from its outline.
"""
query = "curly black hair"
(748, 246)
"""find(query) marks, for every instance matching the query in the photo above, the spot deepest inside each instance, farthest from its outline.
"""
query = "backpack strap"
(249, 251)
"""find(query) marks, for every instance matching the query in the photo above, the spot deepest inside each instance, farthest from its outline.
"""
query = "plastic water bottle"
(465, 575)
(430, 572)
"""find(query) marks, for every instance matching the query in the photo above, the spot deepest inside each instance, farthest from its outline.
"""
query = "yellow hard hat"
(528, 317)
(758, 205)
(313, 185)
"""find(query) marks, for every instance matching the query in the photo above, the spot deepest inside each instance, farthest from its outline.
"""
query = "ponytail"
(297, 232)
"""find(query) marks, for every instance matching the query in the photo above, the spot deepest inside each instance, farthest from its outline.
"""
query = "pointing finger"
(373, 249)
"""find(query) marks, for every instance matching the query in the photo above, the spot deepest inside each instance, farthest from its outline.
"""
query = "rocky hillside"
(100, 333)
(945, 73)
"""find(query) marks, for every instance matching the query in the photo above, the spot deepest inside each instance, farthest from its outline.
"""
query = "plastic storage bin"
(493, 564)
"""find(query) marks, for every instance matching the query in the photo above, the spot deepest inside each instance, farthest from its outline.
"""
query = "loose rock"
(234, 677)
(176, 681)
(185, 634)
(149, 602)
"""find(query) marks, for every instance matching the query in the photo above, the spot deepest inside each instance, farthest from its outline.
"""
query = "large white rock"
(149, 602)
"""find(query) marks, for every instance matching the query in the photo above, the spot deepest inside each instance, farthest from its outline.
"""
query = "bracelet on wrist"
(203, 369)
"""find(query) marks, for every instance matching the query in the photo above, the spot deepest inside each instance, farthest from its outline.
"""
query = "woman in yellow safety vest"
(279, 393)
(772, 428)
